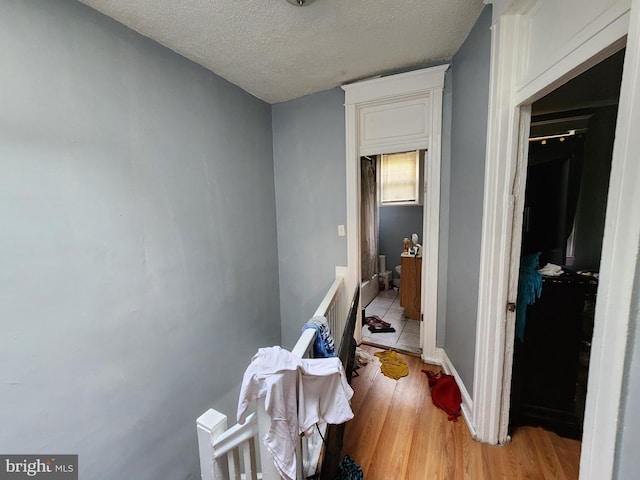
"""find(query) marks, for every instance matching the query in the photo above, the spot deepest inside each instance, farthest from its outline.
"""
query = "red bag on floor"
(445, 393)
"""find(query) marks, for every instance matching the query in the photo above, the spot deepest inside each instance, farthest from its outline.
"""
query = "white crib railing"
(221, 448)
(333, 308)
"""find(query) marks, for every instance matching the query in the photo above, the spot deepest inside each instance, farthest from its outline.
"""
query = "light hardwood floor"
(398, 433)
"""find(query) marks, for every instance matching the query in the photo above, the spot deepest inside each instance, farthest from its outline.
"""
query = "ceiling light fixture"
(300, 3)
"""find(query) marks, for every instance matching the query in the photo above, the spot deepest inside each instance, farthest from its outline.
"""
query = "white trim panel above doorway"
(387, 115)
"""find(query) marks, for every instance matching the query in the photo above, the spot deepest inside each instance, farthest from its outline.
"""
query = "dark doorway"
(570, 149)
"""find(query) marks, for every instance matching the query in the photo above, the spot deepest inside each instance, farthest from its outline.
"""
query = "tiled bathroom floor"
(387, 306)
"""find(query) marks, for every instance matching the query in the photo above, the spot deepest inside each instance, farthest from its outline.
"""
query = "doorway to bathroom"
(391, 223)
(398, 113)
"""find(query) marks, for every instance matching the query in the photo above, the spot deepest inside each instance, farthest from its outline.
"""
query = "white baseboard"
(434, 360)
(467, 402)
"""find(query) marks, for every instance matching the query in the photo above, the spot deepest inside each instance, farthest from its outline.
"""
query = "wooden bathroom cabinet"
(411, 286)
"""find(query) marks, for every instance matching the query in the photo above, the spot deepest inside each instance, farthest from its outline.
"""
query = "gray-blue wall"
(394, 223)
(138, 248)
(470, 85)
(309, 164)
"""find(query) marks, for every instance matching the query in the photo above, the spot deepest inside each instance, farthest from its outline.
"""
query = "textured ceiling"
(277, 51)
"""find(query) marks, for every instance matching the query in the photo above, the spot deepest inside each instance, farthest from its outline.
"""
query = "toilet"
(384, 275)
(397, 273)
(385, 279)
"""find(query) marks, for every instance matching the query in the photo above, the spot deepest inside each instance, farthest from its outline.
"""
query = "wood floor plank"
(398, 433)
(569, 454)
(374, 407)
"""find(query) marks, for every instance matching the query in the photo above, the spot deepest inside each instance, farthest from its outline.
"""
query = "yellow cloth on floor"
(393, 366)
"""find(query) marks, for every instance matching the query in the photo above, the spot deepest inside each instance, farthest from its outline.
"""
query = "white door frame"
(510, 44)
(427, 83)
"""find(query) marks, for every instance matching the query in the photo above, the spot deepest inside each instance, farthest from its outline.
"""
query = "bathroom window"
(400, 178)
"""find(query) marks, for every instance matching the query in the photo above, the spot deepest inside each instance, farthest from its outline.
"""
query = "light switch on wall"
(341, 230)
